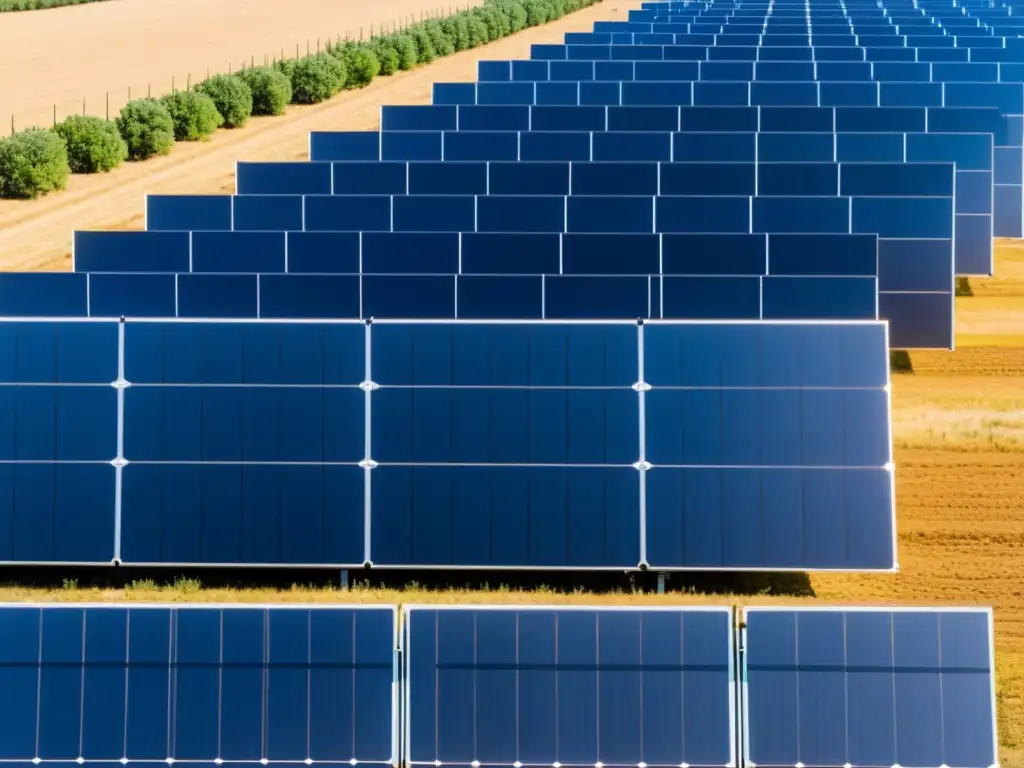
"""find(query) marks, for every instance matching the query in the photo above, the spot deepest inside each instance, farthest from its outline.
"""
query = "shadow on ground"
(558, 582)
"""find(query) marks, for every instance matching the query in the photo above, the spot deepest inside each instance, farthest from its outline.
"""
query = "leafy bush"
(407, 52)
(147, 128)
(362, 66)
(33, 163)
(478, 32)
(285, 67)
(271, 90)
(317, 78)
(425, 51)
(93, 144)
(455, 29)
(514, 13)
(443, 45)
(386, 53)
(194, 114)
(537, 12)
(497, 22)
(232, 97)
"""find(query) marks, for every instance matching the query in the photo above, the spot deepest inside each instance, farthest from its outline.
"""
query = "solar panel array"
(489, 685)
(521, 445)
(625, 304)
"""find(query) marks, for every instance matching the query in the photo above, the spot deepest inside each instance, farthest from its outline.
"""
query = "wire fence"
(107, 104)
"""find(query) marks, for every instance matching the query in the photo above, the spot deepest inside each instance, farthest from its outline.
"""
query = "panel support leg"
(344, 579)
(662, 578)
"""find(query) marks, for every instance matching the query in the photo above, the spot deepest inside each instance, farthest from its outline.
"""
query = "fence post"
(318, 45)
(172, 84)
(296, 49)
(149, 90)
(12, 125)
(188, 82)
(129, 93)
(83, 106)
(360, 34)
(307, 46)
(55, 114)
(108, 105)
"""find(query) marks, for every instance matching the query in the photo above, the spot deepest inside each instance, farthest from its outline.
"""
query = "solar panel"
(59, 441)
(868, 687)
(110, 684)
(572, 685)
(435, 444)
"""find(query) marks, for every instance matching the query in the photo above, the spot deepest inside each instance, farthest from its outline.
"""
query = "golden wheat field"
(958, 419)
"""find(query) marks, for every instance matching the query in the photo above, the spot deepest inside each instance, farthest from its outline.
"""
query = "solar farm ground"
(958, 419)
(65, 55)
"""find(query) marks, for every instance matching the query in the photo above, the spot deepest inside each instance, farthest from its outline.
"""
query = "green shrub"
(147, 128)
(443, 45)
(498, 25)
(515, 14)
(271, 90)
(285, 67)
(478, 32)
(536, 12)
(362, 65)
(455, 29)
(317, 78)
(33, 163)
(405, 45)
(386, 53)
(425, 51)
(194, 115)
(232, 97)
(93, 144)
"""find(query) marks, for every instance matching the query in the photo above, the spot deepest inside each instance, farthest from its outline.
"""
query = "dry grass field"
(68, 54)
(958, 419)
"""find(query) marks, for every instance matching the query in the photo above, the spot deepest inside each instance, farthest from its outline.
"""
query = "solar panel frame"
(405, 643)
(173, 610)
(744, 710)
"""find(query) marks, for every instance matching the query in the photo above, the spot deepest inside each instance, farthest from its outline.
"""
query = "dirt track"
(60, 56)
(36, 235)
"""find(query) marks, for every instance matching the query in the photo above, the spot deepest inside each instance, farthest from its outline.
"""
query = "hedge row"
(38, 5)
(36, 162)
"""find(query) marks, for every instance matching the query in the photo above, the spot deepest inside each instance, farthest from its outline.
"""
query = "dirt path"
(36, 235)
(58, 57)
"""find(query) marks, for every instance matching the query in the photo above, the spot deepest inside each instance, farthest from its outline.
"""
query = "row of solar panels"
(743, 63)
(702, 445)
(496, 685)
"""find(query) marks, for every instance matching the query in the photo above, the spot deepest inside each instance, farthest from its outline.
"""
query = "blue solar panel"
(726, 440)
(571, 686)
(113, 685)
(59, 442)
(246, 438)
(253, 443)
(869, 686)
